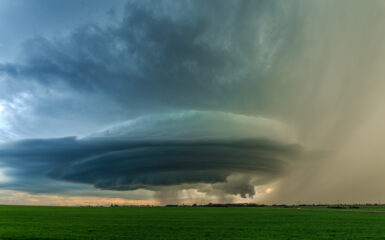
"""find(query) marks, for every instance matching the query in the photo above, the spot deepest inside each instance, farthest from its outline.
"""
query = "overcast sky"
(153, 102)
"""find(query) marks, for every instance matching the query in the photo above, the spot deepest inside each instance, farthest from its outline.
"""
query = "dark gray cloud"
(125, 165)
(181, 150)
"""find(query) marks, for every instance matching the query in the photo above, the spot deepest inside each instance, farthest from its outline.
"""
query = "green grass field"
(21, 222)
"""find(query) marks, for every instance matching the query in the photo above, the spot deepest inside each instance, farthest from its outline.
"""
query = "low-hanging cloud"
(153, 161)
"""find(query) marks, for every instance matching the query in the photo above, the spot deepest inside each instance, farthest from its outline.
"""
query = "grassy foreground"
(21, 222)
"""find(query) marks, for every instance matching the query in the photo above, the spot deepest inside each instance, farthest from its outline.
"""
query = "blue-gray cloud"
(294, 67)
(119, 165)
(153, 59)
(157, 57)
(145, 155)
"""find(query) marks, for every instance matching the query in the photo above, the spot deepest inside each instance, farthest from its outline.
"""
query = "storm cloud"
(154, 158)
(153, 59)
(228, 98)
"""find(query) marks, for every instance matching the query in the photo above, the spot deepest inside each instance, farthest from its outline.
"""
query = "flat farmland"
(28, 222)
